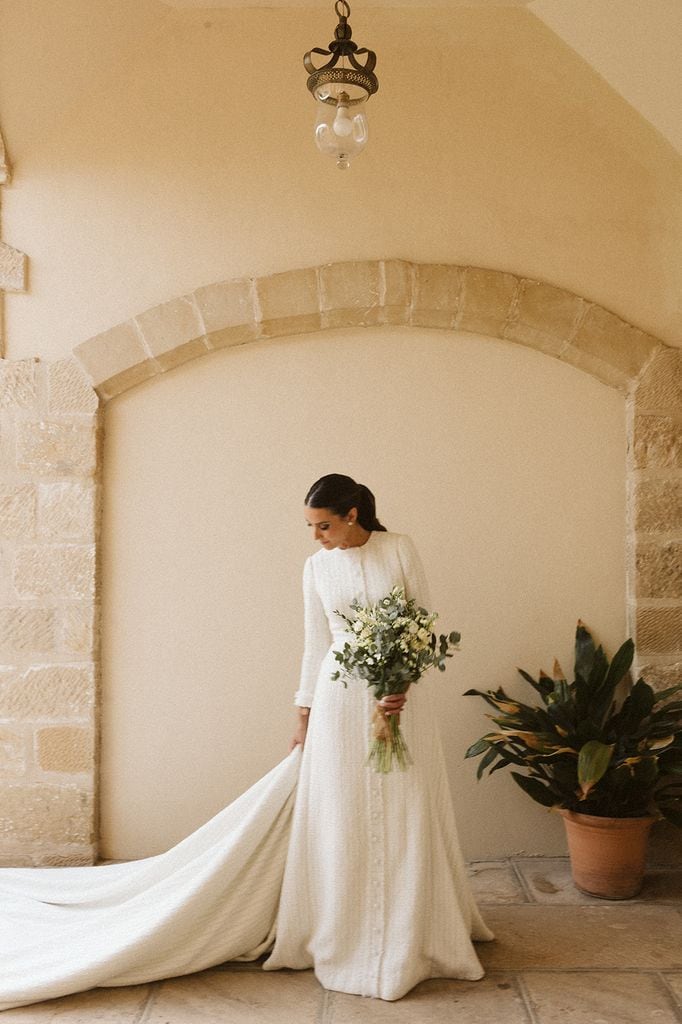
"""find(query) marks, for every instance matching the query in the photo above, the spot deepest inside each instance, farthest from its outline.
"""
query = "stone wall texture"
(50, 471)
(655, 527)
(49, 464)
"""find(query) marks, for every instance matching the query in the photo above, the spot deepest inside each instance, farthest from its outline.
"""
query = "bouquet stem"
(387, 744)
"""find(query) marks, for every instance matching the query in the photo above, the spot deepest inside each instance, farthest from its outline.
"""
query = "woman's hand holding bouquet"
(392, 644)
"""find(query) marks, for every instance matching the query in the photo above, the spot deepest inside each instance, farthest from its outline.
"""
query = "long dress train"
(211, 898)
(323, 862)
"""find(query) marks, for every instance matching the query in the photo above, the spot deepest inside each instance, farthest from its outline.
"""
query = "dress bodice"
(332, 580)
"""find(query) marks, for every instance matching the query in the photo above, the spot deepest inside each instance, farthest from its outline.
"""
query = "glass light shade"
(340, 130)
(332, 90)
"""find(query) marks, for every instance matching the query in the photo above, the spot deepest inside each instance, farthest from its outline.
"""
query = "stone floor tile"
(98, 1006)
(675, 983)
(600, 997)
(495, 882)
(439, 1001)
(549, 880)
(248, 997)
(610, 935)
(662, 884)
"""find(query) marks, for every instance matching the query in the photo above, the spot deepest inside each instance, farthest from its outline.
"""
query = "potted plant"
(606, 753)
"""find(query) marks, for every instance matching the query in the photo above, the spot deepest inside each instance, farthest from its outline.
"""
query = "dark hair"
(340, 494)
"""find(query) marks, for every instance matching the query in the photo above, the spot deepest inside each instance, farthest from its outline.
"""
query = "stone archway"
(449, 297)
(51, 466)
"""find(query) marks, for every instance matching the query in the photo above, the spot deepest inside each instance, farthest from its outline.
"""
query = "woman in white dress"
(375, 893)
(323, 863)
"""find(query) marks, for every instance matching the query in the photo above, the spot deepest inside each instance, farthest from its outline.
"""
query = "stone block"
(48, 692)
(659, 569)
(69, 390)
(241, 996)
(182, 354)
(64, 570)
(79, 629)
(46, 813)
(109, 354)
(27, 630)
(12, 753)
(17, 510)
(67, 510)
(576, 998)
(398, 277)
(13, 269)
(660, 386)
(486, 300)
(65, 748)
(398, 282)
(49, 448)
(171, 325)
(227, 311)
(127, 379)
(494, 999)
(661, 675)
(72, 857)
(350, 294)
(545, 317)
(606, 372)
(18, 384)
(291, 294)
(659, 630)
(289, 303)
(657, 442)
(532, 337)
(658, 505)
(437, 289)
(549, 309)
(231, 337)
(495, 882)
(534, 937)
(606, 336)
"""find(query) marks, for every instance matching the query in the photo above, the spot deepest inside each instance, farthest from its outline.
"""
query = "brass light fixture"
(341, 88)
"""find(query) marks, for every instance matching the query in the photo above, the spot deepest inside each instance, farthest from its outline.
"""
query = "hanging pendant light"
(341, 88)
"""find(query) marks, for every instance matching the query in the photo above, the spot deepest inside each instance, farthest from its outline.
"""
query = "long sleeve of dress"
(416, 585)
(317, 637)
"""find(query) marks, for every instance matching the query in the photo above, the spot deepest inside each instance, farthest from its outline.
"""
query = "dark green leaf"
(535, 789)
(477, 748)
(485, 762)
(584, 651)
(593, 761)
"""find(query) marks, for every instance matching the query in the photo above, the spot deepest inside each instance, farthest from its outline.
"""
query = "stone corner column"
(655, 539)
(49, 502)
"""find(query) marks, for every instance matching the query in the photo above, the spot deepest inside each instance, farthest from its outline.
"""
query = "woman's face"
(330, 530)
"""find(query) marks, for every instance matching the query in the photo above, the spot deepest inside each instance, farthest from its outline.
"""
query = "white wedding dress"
(324, 863)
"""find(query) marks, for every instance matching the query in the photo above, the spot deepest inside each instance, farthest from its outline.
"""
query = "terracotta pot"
(607, 854)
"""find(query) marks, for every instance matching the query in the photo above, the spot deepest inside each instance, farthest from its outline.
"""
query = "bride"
(321, 864)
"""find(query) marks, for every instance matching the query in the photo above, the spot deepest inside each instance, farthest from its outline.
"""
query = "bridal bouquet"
(392, 644)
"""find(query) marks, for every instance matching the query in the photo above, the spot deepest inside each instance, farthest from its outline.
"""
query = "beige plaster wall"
(156, 151)
(507, 467)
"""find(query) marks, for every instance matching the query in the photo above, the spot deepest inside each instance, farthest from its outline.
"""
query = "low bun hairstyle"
(340, 494)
